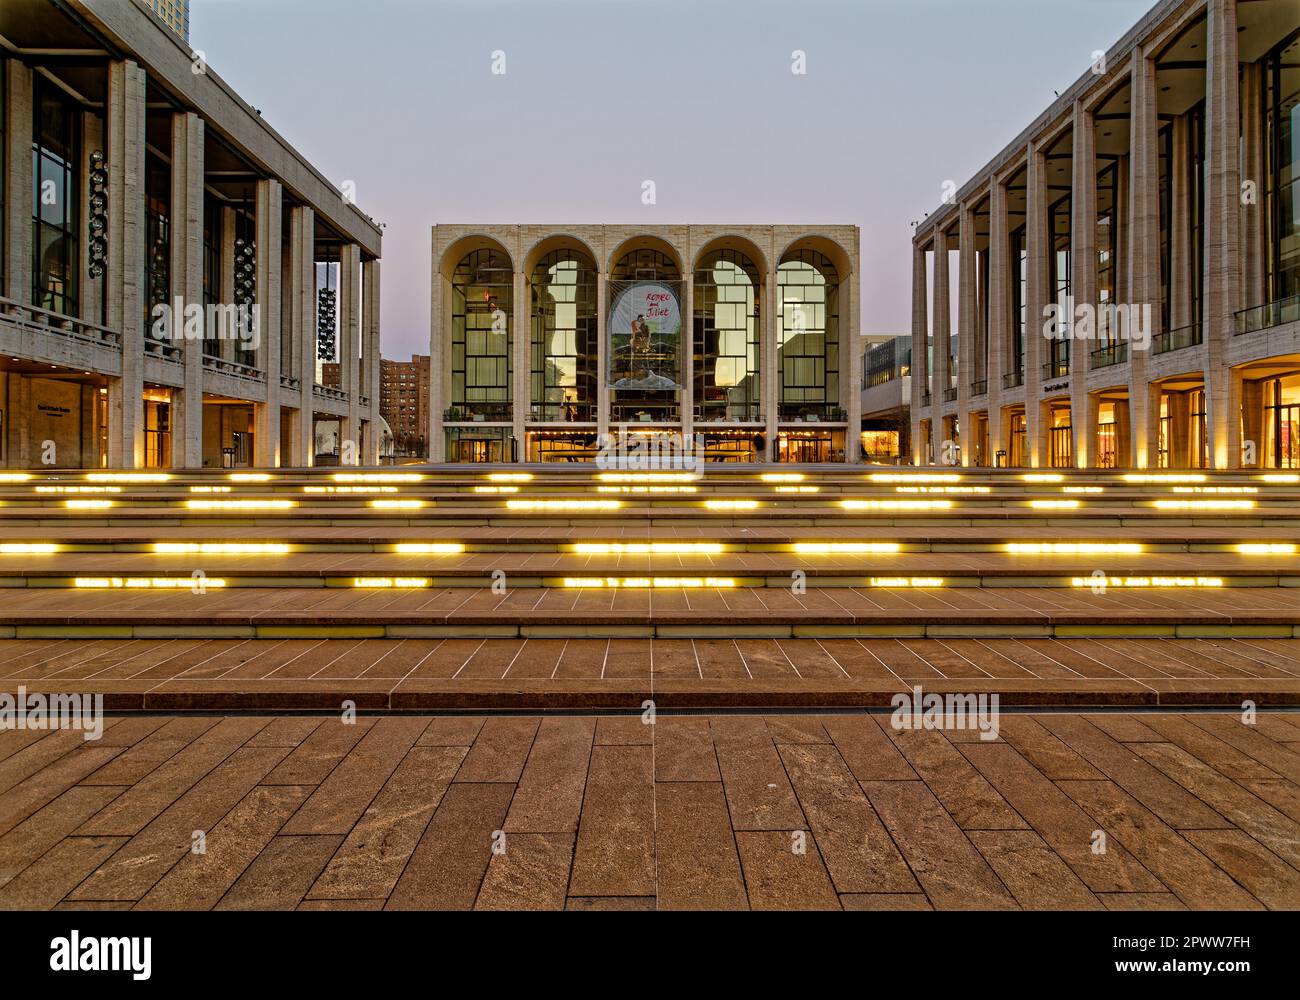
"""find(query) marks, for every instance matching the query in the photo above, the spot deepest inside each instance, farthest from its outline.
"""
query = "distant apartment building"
(176, 14)
(404, 393)
(887, 400)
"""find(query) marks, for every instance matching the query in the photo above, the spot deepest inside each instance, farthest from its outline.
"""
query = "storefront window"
(728, 384)
(1282, 423)
(482, 292)
(1282, 145)
(564, 338)
(808, 338)
(55, 189)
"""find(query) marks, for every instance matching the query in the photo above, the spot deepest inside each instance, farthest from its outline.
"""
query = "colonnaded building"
(548, 341)
(174, 273)
(1156, 203)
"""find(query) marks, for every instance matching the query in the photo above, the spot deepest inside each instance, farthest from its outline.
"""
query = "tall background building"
(404, 391)
(176, 13)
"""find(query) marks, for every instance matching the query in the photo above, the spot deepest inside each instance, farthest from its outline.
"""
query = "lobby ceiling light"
(896, 505)
(914, 477)
(1165, 477)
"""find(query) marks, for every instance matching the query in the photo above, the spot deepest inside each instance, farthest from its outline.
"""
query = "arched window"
(482, 293)
(728, 383)
(809, 341)
(563, 345)
(661, 360)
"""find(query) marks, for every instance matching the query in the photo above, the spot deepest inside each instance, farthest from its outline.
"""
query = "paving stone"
(778, 878)
(615, 849)
(282, 874)
(531, 873)
(549, 796)
(698, 868)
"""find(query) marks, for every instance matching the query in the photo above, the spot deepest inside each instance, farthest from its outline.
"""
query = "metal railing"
(925, 399)
(1013, 380)
(1176, 340)
(1270, 314)
(979, 387)
(1056, 369)
(1111, 354)
(950, 395)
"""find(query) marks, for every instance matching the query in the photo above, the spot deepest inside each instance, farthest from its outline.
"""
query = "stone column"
(437, 368)
(967, 268)
(1083, 281)
(920, 367)
(521, 389)
(302, 320)
(1037, 249)
(686, 350)
(851, 401)
(941, 335)
(187, 283)
(1000, 319)
(125, 275)
(1253, 291)
(349, 337)
(18, 182)
(1222, 280)
(771, 362)
(602, 361)
(269, 282)
(1142, 256)
(372, 349)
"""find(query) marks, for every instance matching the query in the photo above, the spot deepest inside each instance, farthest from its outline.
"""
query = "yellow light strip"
(647, 548)
(220, 548)
(396, 504)
(1165, 477)
(731, 504)
(211, 489)
(15, 477)
(496, 489)
(1074, 548)
(388, 582)
(564, 504)
(146, 583)
(896, 505)
(240, 504)
(783, 477)
(649, 583)
(1043, 477)
(377, 477)
(951, 490)
(1266, 549)
(87, 504)
(914, 477)
(28, 548)
(510, 477)
(845, 548)
(249, 477)
(128, 477)
(1054, 504)
(1216, 489)
(1204, 504)
(429, 548)
(647, 489)
(1281, 478)
(798, 489)
(648, 477)
(1083, 489)
(366, 490)
(897, 582)
(78, 489)
(1164, 582)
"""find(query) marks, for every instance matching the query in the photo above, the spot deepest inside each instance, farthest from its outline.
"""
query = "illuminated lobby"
(731, 343)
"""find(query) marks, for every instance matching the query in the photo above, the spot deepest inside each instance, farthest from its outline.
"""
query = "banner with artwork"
(645, 335)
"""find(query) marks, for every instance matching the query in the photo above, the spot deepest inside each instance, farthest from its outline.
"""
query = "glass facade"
(808, 338)
(728, 382)
(55, 198)
(482, 291)
(1059, 228)
(563, 348)
(211, 269)
(1282, 183)
(157, 227)
(1107, 248)
(1196, 192)
(1019, 296)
